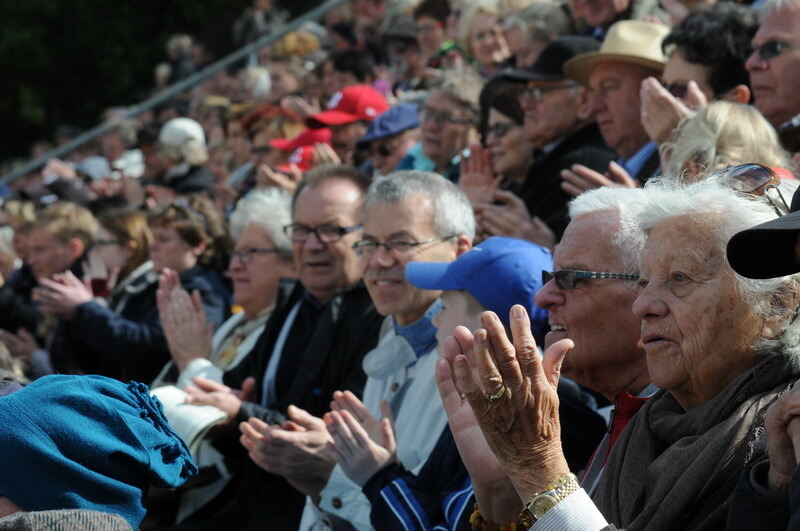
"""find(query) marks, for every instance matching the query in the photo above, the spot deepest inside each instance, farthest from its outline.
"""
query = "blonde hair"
(65, 221)
(722, 134)
(471, 9)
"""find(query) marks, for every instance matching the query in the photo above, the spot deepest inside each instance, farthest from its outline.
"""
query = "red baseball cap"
(309, 137)
(351, 104)
(302, 157)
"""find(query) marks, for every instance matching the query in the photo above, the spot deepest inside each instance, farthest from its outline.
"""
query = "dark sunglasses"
(755, 179)
(566, 278)
(260, 150)
(771, 49)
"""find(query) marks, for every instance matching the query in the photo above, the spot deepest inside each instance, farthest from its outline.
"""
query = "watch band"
(543, 501)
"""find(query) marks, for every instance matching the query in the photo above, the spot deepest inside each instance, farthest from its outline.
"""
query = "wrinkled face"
(511, 152)
(775, 81)
(696, 327)
(169, 250)
(486, 42)
(614, 102)
(522, 47)
(598, 12)
(344, 139)
(325, 268)
(455, 312)
(255, 277)
(384, 271)
(678, 72)
(47, 255)
(442, 139)
(110, 250)
(431, 35)
(386, 153)
(596, 314)
(553, 115)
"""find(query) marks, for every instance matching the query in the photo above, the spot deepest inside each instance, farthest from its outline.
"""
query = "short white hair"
(627, 203)
(269, 209)
(452, 211)
(728, 213)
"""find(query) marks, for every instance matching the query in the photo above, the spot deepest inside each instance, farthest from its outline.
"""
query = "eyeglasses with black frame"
(366, 248)
(245, 255)
(299, 233)
(771, 49)
(754, 179)
(500, 129)
(567, 278)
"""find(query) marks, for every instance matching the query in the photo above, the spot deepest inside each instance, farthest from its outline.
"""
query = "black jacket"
(542, 191)
(346, 330)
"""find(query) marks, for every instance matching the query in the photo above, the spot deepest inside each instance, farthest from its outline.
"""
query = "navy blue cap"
(498, 272)
(396, 120)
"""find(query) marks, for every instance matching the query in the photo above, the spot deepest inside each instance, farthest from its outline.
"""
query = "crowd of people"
(422, 264)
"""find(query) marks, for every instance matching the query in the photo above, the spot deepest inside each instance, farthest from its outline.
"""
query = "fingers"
(343, 441)
(489, 375)
(524, 343)
(305, 419)
(350, 402)
(620, 175)
(512, 200)
(209, 386)
(553, 358)
(582, 178)
(468, 384)
(360, 436)
(248, 390)
(445, 382)
(500, 355)
(387, 435)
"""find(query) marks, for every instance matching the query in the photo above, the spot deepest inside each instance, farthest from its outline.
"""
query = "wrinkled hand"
(359, 455)
(511, 218)
(297, 450)
(20, 345)
(207, 392)
(782, 422)
(183, 320)
(579, 178)
(662, 112)
(268, 177)
(494, 492)
(477, 178)
(522, 427)
(61, 294)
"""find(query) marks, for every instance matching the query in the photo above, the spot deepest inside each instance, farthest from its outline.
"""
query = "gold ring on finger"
(497, 395)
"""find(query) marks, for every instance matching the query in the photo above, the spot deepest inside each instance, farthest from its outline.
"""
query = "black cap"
(550, 64)
(768, 250)
(403, 27)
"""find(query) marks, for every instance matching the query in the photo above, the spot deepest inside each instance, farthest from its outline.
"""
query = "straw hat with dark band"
(628, 41)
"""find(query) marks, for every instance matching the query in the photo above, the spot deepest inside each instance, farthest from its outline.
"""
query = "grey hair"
(629, 239)
(776, 5)
(540, 21)
(269, 209)
(452, 212)
(728, 213)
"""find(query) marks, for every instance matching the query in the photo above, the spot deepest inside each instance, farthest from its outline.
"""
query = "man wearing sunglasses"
(774, 65)
(389, 138)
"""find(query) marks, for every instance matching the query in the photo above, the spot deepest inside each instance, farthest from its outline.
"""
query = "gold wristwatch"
(543, 501)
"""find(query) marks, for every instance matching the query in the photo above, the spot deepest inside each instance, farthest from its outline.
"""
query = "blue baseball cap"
(396, 120)
(499, 273)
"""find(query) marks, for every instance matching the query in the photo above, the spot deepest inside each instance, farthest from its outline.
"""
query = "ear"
(76, 248)
(785, 303)
(738, 94)
(199, 249)
(582, 101)
(462, 244)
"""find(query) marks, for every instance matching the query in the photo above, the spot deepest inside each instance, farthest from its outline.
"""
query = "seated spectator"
(352, 67)
(701, 429)
(719, 135)
(408, 216)
(440, 494)
(182, 145)
(431, 17)
(600, 15)
(348, 115)
(529, 30)
(389, 137)
(88, 443)
(706, 54)
(482, 37)
(448, 124)
(773, 63)
(630, 53)
(287, 77)
(406, 60)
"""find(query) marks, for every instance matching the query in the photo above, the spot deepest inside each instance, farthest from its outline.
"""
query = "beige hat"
(628, 41)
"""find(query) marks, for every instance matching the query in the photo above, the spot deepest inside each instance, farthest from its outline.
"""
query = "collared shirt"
(636, 162)
(421, 335)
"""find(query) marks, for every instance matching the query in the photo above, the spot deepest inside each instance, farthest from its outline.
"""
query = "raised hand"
(183, 320)
(579, 178)
(359, 455)
(476, 177)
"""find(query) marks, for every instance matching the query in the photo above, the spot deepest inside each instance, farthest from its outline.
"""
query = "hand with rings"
(512, 391)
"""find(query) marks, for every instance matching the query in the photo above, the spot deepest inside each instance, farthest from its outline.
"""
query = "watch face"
(542, 504)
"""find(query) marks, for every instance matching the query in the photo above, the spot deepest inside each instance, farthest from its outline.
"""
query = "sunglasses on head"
(757, 180)
(567, 278)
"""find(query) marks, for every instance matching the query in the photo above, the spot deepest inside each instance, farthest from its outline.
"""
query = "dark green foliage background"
(64, 61)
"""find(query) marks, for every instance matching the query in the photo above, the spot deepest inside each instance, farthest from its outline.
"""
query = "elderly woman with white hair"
(720, 347)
